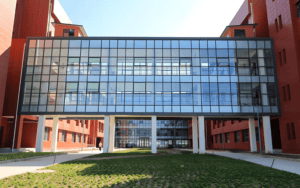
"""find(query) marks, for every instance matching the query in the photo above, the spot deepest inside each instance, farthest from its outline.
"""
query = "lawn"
(133, 151)
(178, 170)
(4, 157)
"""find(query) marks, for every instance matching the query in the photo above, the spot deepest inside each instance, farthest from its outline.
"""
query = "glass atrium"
(155, 76)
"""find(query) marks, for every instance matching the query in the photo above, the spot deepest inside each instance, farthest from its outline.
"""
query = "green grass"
(4, 157)
(157, 171)
(133, 151)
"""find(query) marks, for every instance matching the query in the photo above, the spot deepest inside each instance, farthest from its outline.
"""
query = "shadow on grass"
(184, 170)
(133, 151)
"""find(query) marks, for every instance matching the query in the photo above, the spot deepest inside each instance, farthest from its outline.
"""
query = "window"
(69, 32)
(280, 22)
(73, 137)
(46, 134)
(221, 138)
(84, 139)
(93, 87)
(293, 132)
(212, 139)
(236, 137)
(257, 134)
(71, 87)
(217, 139)
(280, 58)
(288, 131)
(78, 138)
(288, 92)
(63, 136)
(284, 94)
(284, 56)
(298, 9)
(227, 137)
(245, 135)
(276, 25)
(239, 33)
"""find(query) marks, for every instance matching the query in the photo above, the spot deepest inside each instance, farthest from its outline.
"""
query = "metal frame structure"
(206, 114)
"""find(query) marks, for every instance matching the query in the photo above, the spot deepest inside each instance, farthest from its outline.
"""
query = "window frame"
(236, 137)
(293, 132)
(46, 134)
(227, 138)
(280, 22)
(238, 33)
(245, 136)
(298, 8)
(73, 137)
(63, 136)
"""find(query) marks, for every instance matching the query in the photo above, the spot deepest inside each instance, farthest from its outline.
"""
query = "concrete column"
(153, 135)
(195, 134)
(201, 135)
(54, 134)
(106, 134)
(40, 134)
(19, 130)
(111, 144)
(252, 135)
(267, 134)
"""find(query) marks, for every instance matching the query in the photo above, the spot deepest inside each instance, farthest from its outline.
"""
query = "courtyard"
(141, 168)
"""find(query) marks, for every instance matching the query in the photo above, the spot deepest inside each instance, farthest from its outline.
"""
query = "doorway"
(98, 142)
(276, 139)
(144, 142)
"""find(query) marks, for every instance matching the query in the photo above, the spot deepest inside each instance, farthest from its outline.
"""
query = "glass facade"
(137, 133)
(199, 76)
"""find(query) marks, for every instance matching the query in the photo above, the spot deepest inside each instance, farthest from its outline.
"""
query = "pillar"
(106, 134)
(267, 134)
(111, 143)
(54, 134)
(252, 135)
(19, 131)
(195, 134)
(40, 134)
(201, 135)
(153, 135)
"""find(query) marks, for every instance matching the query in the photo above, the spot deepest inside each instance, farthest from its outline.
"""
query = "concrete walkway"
(280, 164)
(15, 168)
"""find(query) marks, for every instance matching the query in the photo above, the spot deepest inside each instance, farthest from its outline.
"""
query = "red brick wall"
(287, 38)
(231, 128)
(29, 135)
(7, 13)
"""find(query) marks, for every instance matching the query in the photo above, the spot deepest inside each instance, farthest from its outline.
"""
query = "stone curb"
(268, 156)
(30, 158)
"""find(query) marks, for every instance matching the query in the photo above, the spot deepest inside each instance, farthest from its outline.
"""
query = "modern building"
(278, 19)
(35, 18)
(147, 89)
(64, 90)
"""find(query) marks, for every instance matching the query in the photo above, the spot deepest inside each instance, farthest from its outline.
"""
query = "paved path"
(14, 168)
(280, 164)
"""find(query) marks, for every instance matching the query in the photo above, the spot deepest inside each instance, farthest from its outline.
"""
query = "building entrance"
(144, 143)
(276, 139)
(131, 133)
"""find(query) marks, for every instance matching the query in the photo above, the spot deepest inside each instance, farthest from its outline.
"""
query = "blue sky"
(159, 18)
